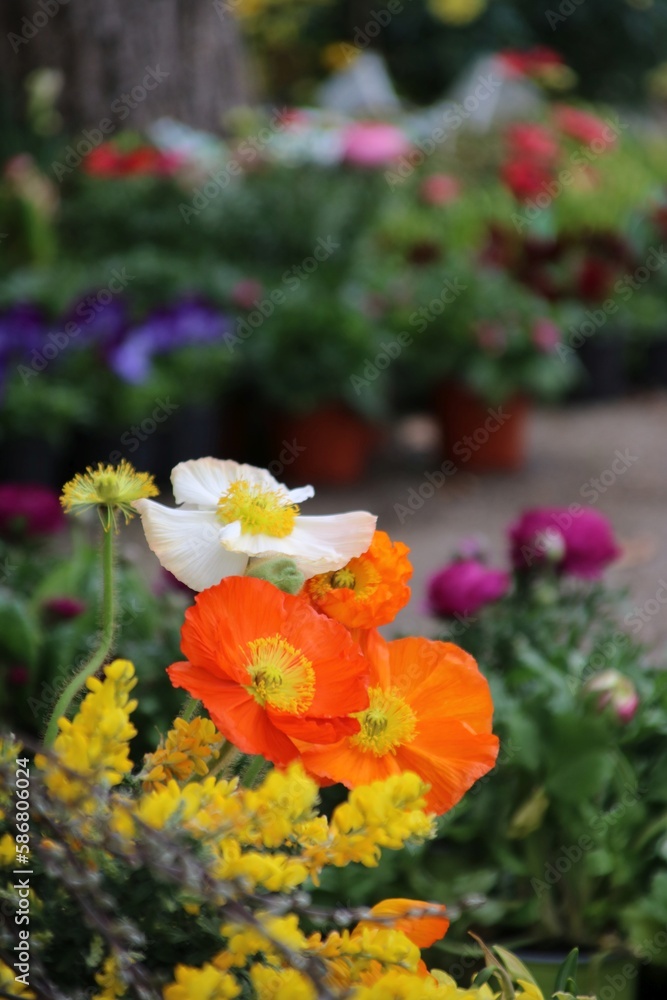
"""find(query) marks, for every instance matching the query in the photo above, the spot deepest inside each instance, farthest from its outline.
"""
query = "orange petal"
(450, 758)
(422, 930)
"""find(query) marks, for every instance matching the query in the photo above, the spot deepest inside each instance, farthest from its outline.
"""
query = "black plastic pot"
(27, 459)
(654, 367)
(603, 356)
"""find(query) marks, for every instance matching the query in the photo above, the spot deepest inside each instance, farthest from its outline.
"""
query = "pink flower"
(439, 189)
(64, 607)
(545, 334)
(534, 141)
(245, 293)
(616, 691)
(580, 544)
(464, 587)
(373, 144)
(583, 126)
(29, 509)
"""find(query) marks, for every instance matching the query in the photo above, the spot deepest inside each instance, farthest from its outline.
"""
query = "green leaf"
(514, 966)
(566, 977)
(18, 633)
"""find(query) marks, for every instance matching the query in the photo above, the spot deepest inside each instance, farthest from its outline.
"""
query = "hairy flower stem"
(190, 708)
(253, 771)
(100, 655)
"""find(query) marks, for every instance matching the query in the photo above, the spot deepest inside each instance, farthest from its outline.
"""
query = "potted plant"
(303, 360)
(567, 840)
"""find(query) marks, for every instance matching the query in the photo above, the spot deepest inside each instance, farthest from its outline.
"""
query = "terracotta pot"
(480, 437)
(331, 445)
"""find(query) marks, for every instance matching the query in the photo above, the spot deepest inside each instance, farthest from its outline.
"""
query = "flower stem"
(105, 642)
(190, 708)
(253, 771)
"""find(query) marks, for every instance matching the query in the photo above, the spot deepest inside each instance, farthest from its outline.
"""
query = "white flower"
(231, 513)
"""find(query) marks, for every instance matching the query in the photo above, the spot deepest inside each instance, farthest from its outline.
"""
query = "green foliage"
(40, 644)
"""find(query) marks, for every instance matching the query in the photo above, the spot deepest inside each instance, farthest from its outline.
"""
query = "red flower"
(525, 178)
(269, 668)
(532, 62)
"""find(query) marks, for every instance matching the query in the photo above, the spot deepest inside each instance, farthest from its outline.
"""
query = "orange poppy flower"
(269, 668)
(430, 712)
(423, 930)
(370, 590)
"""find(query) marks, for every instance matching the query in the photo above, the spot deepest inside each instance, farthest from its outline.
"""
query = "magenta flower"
(545, 334)
(29, 509)
(464, 587)
(579, 542)
(373, 144)
(64, 607)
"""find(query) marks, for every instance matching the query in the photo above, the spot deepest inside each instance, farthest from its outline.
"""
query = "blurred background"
(408, 251)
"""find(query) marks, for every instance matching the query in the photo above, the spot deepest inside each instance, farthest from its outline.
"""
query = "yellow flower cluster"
(94, 747)
(186, 751)
(267, 839)
(10, 986)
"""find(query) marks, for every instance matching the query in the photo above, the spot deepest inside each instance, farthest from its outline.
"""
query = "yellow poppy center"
(260, 511)
(281, 676)
(386, 724)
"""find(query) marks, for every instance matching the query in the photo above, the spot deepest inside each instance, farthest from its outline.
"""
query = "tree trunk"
(130, 60)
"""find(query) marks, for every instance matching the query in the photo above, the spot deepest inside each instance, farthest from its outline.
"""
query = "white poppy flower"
(231, 513)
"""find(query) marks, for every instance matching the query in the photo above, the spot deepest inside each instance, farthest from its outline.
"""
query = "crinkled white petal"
(317, 544)
(202, 481)
(187, 543)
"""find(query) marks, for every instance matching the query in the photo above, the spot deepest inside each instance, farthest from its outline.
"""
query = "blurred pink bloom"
(546, 335)
(583, 126)
(464, 587)
(245, 293)
(531, 140)
(439, 189)
(373, 144)
(616, 691)
(581, 544)
(29, 509)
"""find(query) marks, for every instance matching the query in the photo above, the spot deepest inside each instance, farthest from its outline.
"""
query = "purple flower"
(29, 509)
(99, 323)
(22, 330)
(464, 587)
(581, 544)
(187, 322)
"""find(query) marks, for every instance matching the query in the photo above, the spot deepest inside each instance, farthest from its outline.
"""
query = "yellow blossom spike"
(110, 488)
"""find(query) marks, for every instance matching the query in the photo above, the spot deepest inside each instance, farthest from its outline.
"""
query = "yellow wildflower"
(110, 981)
(7, 851)
(186, 751)
(207, 983)
(9, 984)
(95, 744)
(281, 984)
(110, 488)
